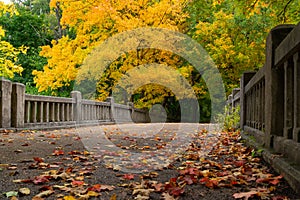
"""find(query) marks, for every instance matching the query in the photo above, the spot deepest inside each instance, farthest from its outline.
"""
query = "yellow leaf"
(24, 191)
(113, 197)
(69, 198)
(92, 194)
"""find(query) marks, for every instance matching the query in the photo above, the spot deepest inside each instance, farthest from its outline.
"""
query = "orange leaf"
(77, 183)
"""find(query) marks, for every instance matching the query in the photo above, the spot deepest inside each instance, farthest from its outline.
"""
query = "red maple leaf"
(58, 152)
(173, 188)
(128, 176)
(190, 180)
(95, 188)
(41, 179)
(176, 191)
(191, 171)
(38, 159)
(77, 183)
(239, 163)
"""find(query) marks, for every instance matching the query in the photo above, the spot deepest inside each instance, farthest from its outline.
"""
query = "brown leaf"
(45, 193)
(158, 187)
(167, 196)
(107, 187)
(245, 195)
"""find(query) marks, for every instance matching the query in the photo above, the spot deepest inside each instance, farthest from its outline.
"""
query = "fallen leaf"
(142, 192)
(107, 187)
(167, 196)
(12, 168)
(77, 183)
(113, 197)
(245, 195)
(45, 193)
(38, 159)
(158, 187)
(69, 198)
(58, 152)
(41, 179)
(24, 191)
(128, 176)
(11, 194)
(96, 188)
(92, 194)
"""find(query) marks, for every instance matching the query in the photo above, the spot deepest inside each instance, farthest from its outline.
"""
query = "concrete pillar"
(246, 77)
(40, 110)
(112, 112)
(51, 112)
(18, 105)
(76, 95)
(62, 112)
(27, 112)
(5, 103)
(33, 111)
(46, 112)
(296, 131)
(274, 86)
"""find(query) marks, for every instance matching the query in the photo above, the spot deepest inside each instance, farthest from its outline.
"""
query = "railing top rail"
(140, 110)
(236, 96)
(288, 46)
(29, 97)
(93, 102)
(255, 79)
(121, 106)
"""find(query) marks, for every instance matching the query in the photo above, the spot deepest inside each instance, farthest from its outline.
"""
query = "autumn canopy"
(232, 32)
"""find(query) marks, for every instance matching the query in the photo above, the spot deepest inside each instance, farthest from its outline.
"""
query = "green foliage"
(8, 53)
(30, 30)
(257, 153)
(230, 119)
(234, 31)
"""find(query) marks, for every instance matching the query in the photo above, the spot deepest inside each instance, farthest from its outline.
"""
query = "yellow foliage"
(94, 22)
(7, 8)
(63, 58)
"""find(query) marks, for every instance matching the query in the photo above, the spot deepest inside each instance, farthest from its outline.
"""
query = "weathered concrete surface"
(5, 103)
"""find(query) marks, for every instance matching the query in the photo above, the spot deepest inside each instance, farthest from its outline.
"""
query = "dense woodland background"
(43, 43)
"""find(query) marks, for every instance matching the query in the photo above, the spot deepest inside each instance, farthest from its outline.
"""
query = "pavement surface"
(135, 161)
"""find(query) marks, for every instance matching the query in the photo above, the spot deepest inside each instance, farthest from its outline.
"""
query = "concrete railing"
(20, 110)
(234, 98)
(270, 98)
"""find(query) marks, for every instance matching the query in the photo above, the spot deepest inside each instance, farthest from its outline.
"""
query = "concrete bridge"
(269, 103)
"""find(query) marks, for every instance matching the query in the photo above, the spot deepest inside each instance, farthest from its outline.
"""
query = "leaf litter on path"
(213, 162)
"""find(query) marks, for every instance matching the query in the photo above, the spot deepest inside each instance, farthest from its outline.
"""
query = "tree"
(8, 53)
(92, 23)
(234, 32)
(30, 30)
